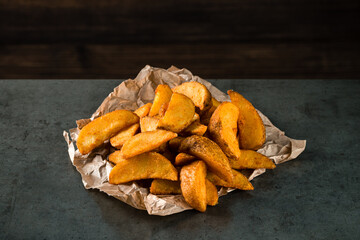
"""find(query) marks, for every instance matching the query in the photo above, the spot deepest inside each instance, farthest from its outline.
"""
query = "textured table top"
(315, 196)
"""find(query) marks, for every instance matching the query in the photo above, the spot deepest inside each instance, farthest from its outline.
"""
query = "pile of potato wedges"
(186, 141)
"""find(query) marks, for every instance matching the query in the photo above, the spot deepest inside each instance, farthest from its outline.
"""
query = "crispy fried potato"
(195, 128)
(162, 95)
(145, 142)
(198, 93)
(223, 129)
(212, 196)
(119, 139)
(196, 118)
(144, 166)
(183, 158)
(174, 143)
(103, 128)
(252, 160)
(251, 128)
(163, 109)
(116, 157)
(148, 123)
(206, 115)
(144, 110)
(210, 153)
(239, 181)
(179, 114)
(193, 186)
(165, 187)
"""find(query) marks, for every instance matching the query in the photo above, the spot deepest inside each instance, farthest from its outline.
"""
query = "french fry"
(119, 139)
(239, 181)
(144, 166)
(145, 142)
(208, 151)
(251, 128)
(179, 113)
(193, 186)
(198, 93)
(251, 160)
(144, 110)
(162, 95)
(103, 128)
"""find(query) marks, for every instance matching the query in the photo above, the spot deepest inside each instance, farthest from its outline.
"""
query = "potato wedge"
(163, 109)
(116, 157)
(174, 143)
(196, 118)
(198, 93)
(239, 181)
(210, 153)
(212, 196)
(183, 158)
(162, 95)
(145, 142)
(144, 166)
(143, 110)
(193, 186)
(206, 115)
(194, 128)
(179, 114)
(223, 129)
(148, 123)
(103, 128)
(119, 139)
(165, 187)
(251, 129)
(252, 160)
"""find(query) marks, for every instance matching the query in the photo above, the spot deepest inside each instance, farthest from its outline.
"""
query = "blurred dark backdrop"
(214, 39)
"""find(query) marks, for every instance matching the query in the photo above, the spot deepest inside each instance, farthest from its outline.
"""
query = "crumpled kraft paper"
(131, 94)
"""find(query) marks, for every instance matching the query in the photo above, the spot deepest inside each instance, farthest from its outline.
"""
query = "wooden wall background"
(214, 39)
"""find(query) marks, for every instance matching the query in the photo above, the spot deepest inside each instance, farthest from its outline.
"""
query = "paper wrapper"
(131, 94)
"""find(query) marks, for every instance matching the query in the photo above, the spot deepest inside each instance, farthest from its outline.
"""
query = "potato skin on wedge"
(103, 128)
(223, 128)
(198, 93)
(193, 186)
(251, 128)
(250, 159)
(179, 113)
(239, 181)
(144, 166)
(208, 151)
(145, 142)
(162, 95)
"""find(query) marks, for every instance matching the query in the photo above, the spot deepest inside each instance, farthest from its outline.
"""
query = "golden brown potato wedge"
(193, 186)
(196, 118)
(252, 160)
(144, 166)
(103, 128)
(144, 110)
(251, 128)
(239, 181)
(174, 143)
(162, 95)
(145, 142)
(205, 117)
(183, 158)
(119, 139)
(208, 151)
(163, 109)
(165, 187)
(223, 129)
(194, 128)
(148, 123)
(179, 114)
(212, 196)
(116, 157)
(198, 93)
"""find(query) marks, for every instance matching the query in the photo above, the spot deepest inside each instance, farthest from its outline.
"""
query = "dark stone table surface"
(315, 196)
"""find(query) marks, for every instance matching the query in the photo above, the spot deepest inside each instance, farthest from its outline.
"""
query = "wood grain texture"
(231, 39)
